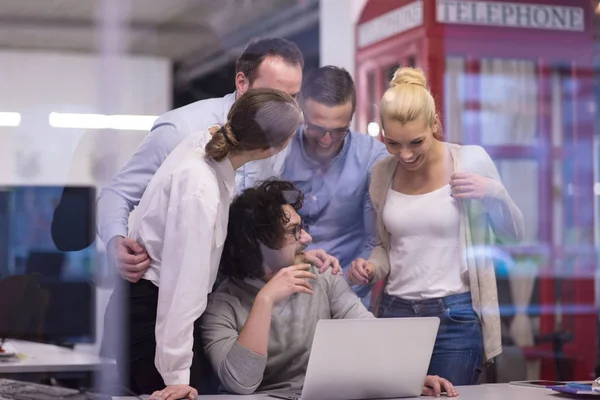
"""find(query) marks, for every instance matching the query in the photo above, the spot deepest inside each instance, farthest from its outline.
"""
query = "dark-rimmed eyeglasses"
(296, 231)
(319, 131)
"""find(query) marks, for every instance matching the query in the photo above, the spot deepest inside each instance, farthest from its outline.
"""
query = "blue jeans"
(458, 351)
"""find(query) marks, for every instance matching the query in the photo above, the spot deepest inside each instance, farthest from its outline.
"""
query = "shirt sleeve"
(505, 217)
(126, 189)
(239, 370)
(380, 152)
(379, 257)
(369, 226)
(185, 281)
(343, 302)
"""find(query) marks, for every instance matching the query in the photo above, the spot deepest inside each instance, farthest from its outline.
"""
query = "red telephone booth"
(515, 77)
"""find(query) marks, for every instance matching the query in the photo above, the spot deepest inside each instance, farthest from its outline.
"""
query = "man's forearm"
(127, 188)
(255, 333)
(112, 215)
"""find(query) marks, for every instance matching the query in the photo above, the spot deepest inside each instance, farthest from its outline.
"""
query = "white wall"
(37, 83)
(34, 153)
(337, 21)
(336, 37)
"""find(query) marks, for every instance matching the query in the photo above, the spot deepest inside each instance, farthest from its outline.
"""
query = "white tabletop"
(501, 391)
(40, 357)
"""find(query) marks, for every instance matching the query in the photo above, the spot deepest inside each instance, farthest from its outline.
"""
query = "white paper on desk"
(9, 351)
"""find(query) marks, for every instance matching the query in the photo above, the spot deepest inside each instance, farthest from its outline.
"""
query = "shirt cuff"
(112, 230)
(181, 377)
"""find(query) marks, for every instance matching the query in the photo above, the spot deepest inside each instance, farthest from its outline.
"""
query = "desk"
(500, 391)
(40, 357)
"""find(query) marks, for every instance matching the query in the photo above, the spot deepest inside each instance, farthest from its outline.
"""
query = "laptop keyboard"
(16, 390)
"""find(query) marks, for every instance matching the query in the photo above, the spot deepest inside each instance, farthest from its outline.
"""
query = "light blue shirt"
(126, 189)
(337, 208)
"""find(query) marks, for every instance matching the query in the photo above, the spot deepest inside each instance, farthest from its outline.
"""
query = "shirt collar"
(225, 170)
(342, 152)
(256, 283)
(228, 101)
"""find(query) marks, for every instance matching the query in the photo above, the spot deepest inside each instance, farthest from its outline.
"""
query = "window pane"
(388, 74)
(454, 95)
(508, 100)
(520, 178)
(372, 89)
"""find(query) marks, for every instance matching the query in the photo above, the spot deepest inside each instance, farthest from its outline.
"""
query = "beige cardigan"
(480, 220)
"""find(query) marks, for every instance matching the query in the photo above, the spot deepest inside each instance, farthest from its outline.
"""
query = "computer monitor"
(28, 227)
(46, 264)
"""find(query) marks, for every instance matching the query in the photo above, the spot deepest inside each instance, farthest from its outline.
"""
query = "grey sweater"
(293, 326)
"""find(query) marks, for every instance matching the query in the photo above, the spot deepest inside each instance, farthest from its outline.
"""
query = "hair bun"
(409, 76)
(229, 135)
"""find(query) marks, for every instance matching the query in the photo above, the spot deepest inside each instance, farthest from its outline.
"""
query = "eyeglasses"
(296, 232)
(319, 131)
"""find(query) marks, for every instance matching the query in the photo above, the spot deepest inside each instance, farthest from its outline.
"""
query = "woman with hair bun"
(437, 202)
(181, 221)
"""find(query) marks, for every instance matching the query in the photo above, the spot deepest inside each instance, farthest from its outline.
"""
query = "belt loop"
(442, 305)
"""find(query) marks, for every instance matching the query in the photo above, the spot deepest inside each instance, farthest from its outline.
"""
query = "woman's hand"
(434, 385)
(175, 392)
(361, 272)
(322, 260)
(466, 185)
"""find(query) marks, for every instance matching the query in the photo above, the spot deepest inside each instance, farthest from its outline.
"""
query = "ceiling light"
(10, 119)
(101, 121)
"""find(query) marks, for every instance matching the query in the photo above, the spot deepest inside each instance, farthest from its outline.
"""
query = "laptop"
(356, 359)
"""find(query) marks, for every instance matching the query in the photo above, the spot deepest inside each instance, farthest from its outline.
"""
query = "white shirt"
(182, 222)
(126, 189)
(427, 258)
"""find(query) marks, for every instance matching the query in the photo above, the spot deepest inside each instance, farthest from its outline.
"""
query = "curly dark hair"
(256, 216)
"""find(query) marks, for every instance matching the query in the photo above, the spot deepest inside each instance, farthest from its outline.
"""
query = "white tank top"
(427, 259)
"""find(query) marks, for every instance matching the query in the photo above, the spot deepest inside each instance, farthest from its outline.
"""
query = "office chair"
(24, 306)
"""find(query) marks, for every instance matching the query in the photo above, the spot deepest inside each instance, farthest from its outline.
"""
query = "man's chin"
(300, 258)
(325, 153)
(321, 153)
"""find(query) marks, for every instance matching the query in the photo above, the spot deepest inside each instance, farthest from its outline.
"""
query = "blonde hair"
(408, 99)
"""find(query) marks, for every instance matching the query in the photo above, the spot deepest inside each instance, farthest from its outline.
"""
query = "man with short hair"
(259, 325)
(266, 63)
(331, 164)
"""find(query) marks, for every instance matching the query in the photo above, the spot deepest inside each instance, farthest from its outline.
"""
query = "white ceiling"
(177, 29)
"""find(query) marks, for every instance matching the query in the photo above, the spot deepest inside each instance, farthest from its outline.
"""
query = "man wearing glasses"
(259, 325)
(331, 165)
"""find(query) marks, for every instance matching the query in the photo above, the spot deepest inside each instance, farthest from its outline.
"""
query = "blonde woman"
(436, 202)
